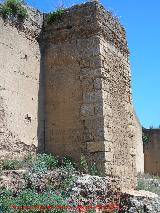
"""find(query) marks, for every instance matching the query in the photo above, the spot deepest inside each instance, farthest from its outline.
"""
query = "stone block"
(99, 146)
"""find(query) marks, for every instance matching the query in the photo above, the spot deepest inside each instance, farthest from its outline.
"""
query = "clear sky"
(141, 19)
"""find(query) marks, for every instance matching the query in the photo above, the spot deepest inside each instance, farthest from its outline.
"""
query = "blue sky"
(141, 19)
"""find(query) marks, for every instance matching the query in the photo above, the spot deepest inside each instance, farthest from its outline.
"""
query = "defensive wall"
(65, 89)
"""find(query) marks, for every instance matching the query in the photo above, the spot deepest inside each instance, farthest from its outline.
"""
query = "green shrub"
(55, 16)
(67, 164)
(66, 184)
(11, 164)
(93, 169)
(5, 11)
(28, 160)
(140, 184)
(83, 164)
(88, 168)
(29, 197)
(13, 8)
(44, 162)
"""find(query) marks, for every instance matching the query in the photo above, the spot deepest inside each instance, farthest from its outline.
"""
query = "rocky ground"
(146, 198)
(45, 181)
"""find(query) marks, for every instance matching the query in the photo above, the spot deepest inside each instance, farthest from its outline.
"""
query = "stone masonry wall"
(119, 123)
(152, 151)
(88, 104)
(19, 85)
(65, 88)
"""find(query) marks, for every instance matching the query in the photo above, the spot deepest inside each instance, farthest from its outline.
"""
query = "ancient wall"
(88, 104)
(19, 85)
(65, 88)
(119, 123)
(152, 151)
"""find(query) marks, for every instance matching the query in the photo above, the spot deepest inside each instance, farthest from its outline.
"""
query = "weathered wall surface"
(72, 61)
(119, 123)
(87, 93)
(77, 84)
(152, 151)
(19, 86)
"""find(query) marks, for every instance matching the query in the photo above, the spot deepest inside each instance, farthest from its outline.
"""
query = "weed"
(83, 164)
(93, 169)
(29, 197)
(145, 138)
(68, 165)
(44, 162)
(13, 8)
(11, 164)
(55, 16)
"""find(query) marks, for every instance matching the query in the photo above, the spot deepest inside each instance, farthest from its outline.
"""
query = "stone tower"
(88, 106)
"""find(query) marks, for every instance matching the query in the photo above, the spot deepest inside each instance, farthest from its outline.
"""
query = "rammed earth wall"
(65, 88)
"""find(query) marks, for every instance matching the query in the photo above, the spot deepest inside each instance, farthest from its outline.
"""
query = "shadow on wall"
(152, 151)
(41, 104)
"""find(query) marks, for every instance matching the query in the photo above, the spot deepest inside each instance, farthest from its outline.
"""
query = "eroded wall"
(119, 124)
(152, 151)
(70, 94)
(19, 86)
(88, 104)
(73, 114)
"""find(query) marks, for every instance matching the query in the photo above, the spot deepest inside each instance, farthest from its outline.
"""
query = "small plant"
(84, 165)
(141, 185)
(145, 139)
(88, 168)
(11, 164)
(29, 197)
(5, 11)
(66, 184)
(93, 169)
(55, 16)
(68, 165)
(44, 162)
(29, 159)
(13, 8)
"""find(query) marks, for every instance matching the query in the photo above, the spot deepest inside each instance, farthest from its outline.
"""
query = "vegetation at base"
(83, 165)
(40, 202)
(87, 168)
(13, 8)
(149, 183)
(44, 162)
(55, 16)
(11, 164)
(30, 194)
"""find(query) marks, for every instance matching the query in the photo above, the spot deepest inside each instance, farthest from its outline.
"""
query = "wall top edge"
(86, 14)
